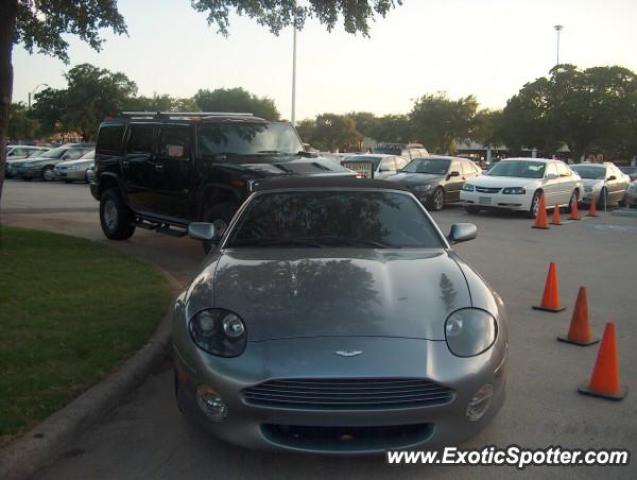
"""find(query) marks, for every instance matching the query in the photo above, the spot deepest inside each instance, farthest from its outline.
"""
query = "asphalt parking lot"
(148, 438)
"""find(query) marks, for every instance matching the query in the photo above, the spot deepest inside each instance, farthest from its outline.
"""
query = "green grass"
(70, 311)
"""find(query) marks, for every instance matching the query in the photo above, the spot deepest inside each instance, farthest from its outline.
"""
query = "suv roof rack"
(143, 114)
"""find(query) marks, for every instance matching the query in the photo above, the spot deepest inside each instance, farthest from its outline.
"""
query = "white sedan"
(517, 184)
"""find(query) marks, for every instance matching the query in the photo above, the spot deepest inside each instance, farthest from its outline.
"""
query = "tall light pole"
(558, 29)
(32, 92)
(293, 117)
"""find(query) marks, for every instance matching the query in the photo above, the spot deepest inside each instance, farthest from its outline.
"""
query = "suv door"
(140, 167)
(174, 173)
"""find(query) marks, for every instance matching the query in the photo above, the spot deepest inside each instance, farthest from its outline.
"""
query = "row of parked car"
(69, 162)
(514, 184)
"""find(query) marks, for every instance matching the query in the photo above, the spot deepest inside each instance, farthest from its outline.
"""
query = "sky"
(486, 48)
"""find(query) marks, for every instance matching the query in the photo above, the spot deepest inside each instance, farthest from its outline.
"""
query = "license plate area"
(484, 200)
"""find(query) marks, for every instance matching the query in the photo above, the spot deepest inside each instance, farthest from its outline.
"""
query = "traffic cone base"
(585, 389)
(548, 309)
(565, 339)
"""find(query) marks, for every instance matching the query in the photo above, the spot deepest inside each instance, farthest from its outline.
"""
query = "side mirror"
(453, 174)
(202, 231)
(612, 177)
(462, 232)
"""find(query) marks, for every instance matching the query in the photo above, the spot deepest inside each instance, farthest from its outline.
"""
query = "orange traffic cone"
(575, 215)
(551, 296)
(540, 219)
(604, 382)
(592, 210)
(556, 216)
(580, 331)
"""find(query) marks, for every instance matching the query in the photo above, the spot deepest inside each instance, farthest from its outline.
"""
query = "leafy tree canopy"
(236, 100)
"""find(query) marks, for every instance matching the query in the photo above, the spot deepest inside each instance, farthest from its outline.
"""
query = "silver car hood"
(298, 293)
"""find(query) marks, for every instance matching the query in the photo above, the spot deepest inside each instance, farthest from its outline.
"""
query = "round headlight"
(219, 332)
(470, 331)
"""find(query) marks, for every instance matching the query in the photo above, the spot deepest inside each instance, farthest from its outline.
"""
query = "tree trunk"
(8, 14)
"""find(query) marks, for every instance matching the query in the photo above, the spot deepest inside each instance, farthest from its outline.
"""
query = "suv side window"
(174, 142)
(388, 164)
(109, 139)
(141, 139)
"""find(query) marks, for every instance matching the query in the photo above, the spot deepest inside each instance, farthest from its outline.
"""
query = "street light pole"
(558, 29)
(294, 72)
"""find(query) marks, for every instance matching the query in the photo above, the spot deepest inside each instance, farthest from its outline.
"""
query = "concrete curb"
(47, 441)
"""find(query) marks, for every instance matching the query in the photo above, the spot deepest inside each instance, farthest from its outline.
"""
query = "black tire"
(116, 218)
(66, 180)
(86, 180)
(574, 198)
(472, 209)
(437, 201)
(602, 201)
(221, 211)
(535, 204)
(47, 174)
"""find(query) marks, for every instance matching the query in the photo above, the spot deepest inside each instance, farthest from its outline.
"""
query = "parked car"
(42, 165)
(405, 150)
(631, 171)
(372, 165)
(333, 316)
(75, 170)
(164, 171)
(17, 153)
(630, 197)
(436, 180)
(604, 181)
(517, 184)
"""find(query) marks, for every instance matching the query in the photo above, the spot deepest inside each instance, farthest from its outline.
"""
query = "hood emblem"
(348, 353)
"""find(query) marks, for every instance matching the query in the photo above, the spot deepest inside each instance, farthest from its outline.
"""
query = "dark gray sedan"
(333, 316)
(437, 180)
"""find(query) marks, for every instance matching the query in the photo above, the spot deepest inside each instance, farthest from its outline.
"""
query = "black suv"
(162, 171)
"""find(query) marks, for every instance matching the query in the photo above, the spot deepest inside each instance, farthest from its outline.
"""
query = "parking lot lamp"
(558, 29)
(32, 92)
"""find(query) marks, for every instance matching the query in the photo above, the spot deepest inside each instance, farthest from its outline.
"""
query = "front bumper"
(29, 172)
(497, 200)
(68, 174)
(274, 428)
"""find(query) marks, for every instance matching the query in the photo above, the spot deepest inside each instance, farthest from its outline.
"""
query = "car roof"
(332, 182)
(531, 159)
(362, 156)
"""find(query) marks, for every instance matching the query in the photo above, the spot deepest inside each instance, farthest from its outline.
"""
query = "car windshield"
(435, 166)
(590, 172)
(629, 170)
(354, 219)
(55, 153)
(248, 139)
(517, 168)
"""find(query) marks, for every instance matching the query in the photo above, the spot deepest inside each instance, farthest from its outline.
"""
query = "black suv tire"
(116, 218)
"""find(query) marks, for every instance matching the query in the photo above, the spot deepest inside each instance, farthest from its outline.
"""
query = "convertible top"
(327, 181)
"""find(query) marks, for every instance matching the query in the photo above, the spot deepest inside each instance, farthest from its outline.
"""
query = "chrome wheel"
(438, 200)
(535, 206)
(48, 174)
(110, 215)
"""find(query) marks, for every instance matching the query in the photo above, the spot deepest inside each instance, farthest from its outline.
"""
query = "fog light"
(480, 402)
(211, 404)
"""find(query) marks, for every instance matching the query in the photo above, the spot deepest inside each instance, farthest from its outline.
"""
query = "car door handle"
(159, 166)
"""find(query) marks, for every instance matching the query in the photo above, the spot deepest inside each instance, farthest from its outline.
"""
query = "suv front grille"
(348, 393)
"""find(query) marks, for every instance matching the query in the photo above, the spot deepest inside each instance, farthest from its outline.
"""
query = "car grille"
(348, 394)
(487, 190)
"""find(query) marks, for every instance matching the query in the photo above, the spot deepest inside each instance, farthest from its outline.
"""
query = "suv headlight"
(514, 191)
(219, 332)
(467, 187)
(470, 331)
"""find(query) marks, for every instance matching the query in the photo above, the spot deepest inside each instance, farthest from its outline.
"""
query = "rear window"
(109, 139)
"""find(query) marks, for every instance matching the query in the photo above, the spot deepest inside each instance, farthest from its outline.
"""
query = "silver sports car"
(333, 316)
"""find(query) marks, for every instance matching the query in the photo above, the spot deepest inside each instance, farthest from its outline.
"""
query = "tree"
(48, 109)
(21, 125)
(40, 25)
(236, 100)
(437, 121)
(92, 94)
(485, 127)
(335, 132)
(365, 122)
(159, 103)
(305, 129)
(392, 128)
